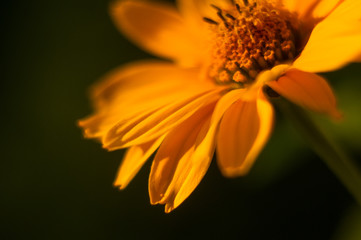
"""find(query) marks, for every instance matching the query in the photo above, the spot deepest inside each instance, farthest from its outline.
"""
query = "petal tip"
(119, 186)
(337, 115)
(234, 172)
(169, 207)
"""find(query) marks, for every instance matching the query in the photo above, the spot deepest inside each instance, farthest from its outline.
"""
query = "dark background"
(56, 185)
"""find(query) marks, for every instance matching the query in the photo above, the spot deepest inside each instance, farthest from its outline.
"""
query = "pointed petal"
(174, 164)
(156, 27)
(183, 185)
(133, 160)
(308, 90)
(138, 89)
(133, 83)
(204, 152)
(332, 45)
(244, 130)
(152, 124)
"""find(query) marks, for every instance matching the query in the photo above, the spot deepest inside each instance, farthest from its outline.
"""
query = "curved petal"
(133, 160)
(132, 77)
(153, 124)
(156, 27)
(174, 163)
(243, 132)
(265, 76)
(332, 45)
(307, 89)
(136, 89)
(201, 156)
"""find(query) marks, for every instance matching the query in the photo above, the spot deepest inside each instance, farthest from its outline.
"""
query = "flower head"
(227, 59)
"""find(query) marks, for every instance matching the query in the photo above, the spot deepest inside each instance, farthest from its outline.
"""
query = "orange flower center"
(249, 38)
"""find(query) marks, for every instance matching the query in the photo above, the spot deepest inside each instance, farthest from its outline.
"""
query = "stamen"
(250, 34)
(211, 21)
(217, 8)
(219, 14)
(238, 8)
(230, 16)
(253, 37)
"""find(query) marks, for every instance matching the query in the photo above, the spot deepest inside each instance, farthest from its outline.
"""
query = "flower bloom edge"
(214, 94)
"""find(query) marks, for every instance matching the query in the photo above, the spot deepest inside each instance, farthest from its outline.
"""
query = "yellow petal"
(156, 27)
(133, 90)
(195, 10)
(191, 12)
(134, 159)
(152, 124)
(204, 151)
(311, 8)
(347, 10)
(308, 90)
(302, 7)
(244, 130)
(174, 162)
(201, 157)
(265, 76)
(332, 45)
(325, 7)
(146, 80)
(127, 77)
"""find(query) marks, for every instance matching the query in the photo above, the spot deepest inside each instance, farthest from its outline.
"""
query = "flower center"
(248, 38)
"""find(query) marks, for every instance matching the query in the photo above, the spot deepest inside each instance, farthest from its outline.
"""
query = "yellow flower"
(227, 59)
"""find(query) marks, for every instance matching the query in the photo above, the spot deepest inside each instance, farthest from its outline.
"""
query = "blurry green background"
(56, 185)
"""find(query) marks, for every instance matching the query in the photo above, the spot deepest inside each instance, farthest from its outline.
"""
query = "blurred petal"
(195, 10)
(332, 45)
(152, 124)
(136, 76)
(311, 8)
(191, 11)
(347, 10)
(134, 159)
(308, 90)
(302, 7)
(174, 162)
(137, 89)
(244, 130)
(156, 27)
(325, 7)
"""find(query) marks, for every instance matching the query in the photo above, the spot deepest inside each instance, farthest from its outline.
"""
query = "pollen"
(248, 38)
